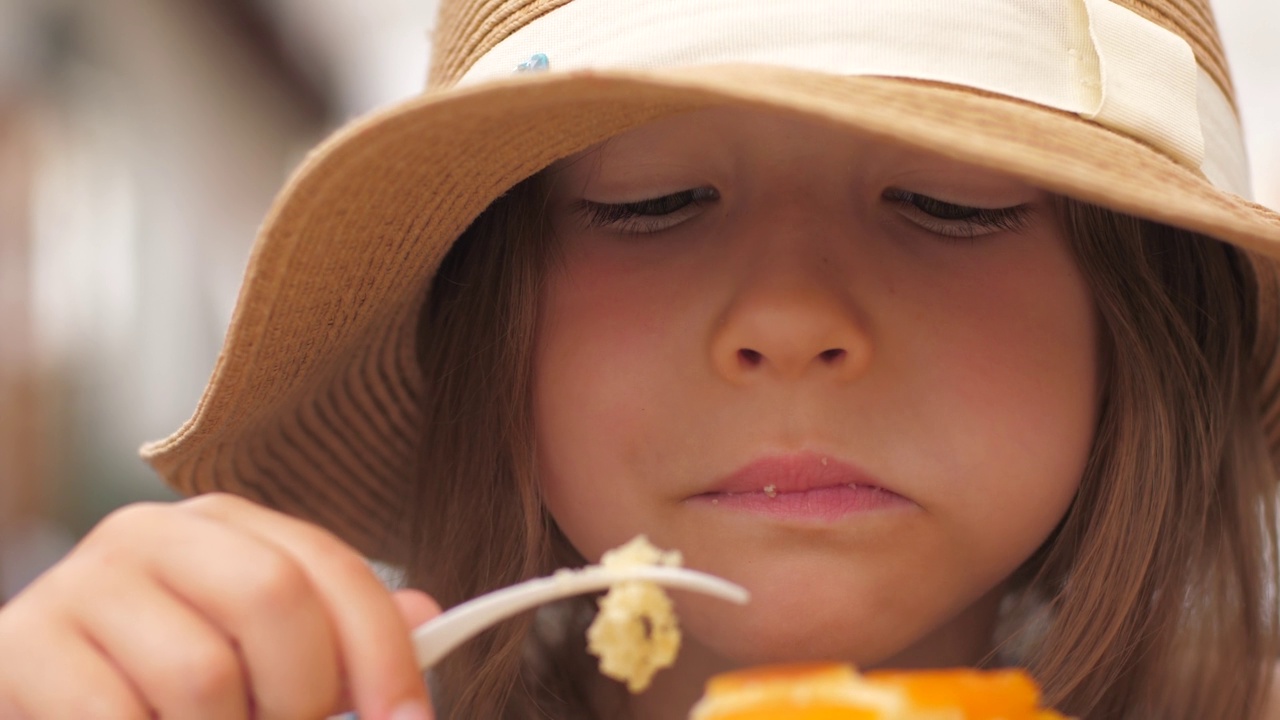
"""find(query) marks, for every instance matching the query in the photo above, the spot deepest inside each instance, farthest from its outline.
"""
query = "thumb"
(415, 606)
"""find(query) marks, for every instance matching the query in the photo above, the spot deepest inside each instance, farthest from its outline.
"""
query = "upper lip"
(793, 473)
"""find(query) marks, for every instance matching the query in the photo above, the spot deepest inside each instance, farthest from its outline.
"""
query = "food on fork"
(834, 691)
(635, 632)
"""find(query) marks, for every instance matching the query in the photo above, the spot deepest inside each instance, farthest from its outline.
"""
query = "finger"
(185, 666)
(381, 672)
(415, 606)
(51, 672)
(266, 601)
(248, 589)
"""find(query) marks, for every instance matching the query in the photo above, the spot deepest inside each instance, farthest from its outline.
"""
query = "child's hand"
(210, 608)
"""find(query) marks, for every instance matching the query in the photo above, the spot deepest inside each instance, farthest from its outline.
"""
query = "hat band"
(1094, 58)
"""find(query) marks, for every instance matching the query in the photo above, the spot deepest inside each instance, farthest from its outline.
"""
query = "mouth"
(800, 487)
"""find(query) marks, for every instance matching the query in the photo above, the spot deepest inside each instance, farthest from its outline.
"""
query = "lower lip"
(818, 504)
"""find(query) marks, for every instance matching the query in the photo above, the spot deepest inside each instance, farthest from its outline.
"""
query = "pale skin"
(210, 608)
(965, 378)
(795, 304)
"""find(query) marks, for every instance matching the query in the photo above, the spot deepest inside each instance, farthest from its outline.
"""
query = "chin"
(763, 633)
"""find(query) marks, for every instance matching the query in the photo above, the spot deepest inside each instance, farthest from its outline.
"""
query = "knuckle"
(351, 567)
(341, 559)
(214, 501)
(206, 671)
(126, 521)
(323, 539)
(16, 624)
(275, 581)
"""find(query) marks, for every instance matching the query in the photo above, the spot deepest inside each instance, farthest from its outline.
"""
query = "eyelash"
(960, 222)
(950, 220)
(647, 216)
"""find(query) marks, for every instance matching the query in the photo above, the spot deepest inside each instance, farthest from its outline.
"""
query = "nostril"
(832, 355)
(749, 357)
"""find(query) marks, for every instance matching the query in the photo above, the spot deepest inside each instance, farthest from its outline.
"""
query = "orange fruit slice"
(834, 691)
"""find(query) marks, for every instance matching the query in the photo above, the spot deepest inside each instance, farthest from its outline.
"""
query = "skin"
(802, 310)
(248, 613)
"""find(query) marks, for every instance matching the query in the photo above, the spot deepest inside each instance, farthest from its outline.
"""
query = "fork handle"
(442, 634)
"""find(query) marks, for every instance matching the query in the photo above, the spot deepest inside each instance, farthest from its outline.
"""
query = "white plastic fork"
(442, 634)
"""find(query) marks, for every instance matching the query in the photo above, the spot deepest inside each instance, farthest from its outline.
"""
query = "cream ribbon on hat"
(1094, 58)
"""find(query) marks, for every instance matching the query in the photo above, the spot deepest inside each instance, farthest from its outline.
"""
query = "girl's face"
(857, 379)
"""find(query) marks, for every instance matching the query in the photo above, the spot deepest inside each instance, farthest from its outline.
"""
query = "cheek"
(600, 350)
(598, 367)
(1016, 395)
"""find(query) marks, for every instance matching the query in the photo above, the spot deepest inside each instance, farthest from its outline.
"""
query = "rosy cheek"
(591, 391)
(1006, 362)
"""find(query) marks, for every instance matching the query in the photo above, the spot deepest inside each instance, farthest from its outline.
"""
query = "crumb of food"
(635, 632)
(771, 490)
(824, 462)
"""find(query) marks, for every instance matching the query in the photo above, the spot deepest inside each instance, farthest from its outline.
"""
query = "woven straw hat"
(312, 407)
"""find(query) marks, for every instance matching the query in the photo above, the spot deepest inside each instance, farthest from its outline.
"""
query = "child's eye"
(647, 216)
(956, 221)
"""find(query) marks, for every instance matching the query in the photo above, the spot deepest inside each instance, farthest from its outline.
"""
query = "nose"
(790, 326)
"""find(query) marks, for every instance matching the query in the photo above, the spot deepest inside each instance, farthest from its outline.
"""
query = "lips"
(800, 487)
(785, 474)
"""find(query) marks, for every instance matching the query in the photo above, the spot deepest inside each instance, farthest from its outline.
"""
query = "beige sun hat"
(313, 404)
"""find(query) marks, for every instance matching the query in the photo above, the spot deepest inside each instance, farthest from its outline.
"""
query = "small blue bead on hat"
(537, 63)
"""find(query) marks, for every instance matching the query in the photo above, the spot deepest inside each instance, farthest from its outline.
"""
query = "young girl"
(941, 326)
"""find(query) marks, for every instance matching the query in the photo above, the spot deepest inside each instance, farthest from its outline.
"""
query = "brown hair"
(1154, 598)
(1158, 588)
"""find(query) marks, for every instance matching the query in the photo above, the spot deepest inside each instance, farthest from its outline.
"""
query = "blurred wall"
(141, 142)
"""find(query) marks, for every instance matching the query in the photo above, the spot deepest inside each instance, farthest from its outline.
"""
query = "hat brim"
(313, 404)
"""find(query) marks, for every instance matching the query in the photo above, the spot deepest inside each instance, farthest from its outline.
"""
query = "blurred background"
(141, 142)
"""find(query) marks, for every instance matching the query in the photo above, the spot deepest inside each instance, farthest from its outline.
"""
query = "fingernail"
(412, 710)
